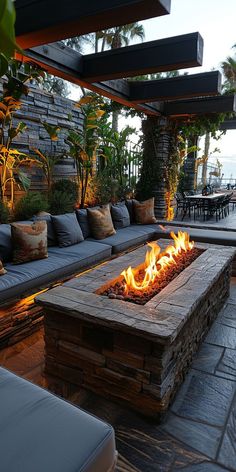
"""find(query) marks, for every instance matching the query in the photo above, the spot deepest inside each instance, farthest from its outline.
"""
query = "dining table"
(201, 198)
(210, 197)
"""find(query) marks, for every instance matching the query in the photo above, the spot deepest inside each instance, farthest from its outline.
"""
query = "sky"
(215, 21)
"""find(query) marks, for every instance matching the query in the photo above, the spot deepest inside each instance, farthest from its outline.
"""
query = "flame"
(156, 262)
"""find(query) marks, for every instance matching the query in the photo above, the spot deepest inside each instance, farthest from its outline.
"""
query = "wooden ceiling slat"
(185, 86)
(45, 21)
(161, 55)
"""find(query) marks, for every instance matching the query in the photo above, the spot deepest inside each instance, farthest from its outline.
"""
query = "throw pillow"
(82, 217)
(67, 229)
(29, 241)
(144, 212)
(100, 222)
(2, 270)
(52, 239)
(120, 215)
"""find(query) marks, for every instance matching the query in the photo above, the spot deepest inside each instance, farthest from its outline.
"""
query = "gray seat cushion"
(126, 238)
(61, 263)
(42, 433)
(225, 238)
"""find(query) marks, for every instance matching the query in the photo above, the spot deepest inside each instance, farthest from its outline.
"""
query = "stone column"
(157, 141)
(190, 167)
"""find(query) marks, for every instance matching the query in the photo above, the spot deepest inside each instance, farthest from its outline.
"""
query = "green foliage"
(66, 186)
(60, 202)
(83, 144)
(63, 196)
(29, 205)
(115, 158)
(7, 34)
(47, 161)
(4, 213)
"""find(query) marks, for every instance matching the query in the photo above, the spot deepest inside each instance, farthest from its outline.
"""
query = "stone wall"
(156, 155)
(41, 106)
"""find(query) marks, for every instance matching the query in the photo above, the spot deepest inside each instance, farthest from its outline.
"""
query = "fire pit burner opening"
(141, 284)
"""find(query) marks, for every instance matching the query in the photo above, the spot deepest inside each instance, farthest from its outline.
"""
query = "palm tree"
(115, 38)
(229, 69)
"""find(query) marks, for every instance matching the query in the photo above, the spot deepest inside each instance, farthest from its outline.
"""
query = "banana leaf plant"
(7, 34)
(48, 161)
(84, 143)
(11, 160)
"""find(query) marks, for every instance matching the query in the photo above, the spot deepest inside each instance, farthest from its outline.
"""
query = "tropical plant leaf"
(23, 178)
(51, 130)
(13, 132)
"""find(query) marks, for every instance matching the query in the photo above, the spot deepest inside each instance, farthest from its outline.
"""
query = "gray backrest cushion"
(130, 206)
(5, 243)
(120, 215)
(67, 229)
(52, 237)
(82, 216)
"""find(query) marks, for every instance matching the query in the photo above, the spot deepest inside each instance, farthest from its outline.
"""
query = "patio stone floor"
(227, 223)
(199, 432)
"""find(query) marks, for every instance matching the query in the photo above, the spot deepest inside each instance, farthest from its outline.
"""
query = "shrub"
(4, 213)
(60, 202)
(66, 186)
(29, 205)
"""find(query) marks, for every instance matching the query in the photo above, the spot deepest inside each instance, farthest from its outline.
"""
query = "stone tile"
(204, 398)
(227, 366)
(203, 467)
(227, 455)
(149, 448)
(228, 315)
(222, 335)
(207, 358)
(201, 437)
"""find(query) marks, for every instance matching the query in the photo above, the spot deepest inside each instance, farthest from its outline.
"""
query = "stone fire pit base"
(135, 355)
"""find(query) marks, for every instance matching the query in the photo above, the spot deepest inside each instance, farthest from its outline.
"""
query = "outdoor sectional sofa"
(18, 319)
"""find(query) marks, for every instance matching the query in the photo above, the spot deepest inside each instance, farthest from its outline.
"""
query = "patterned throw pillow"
(29, 241)
(2, 270)
(144, 212)
(100, 222)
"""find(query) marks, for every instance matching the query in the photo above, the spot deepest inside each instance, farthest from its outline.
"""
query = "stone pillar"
(190, 170)
(157, 141)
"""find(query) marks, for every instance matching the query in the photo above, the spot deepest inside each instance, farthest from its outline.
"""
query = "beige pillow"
(29, 241)
(144, 212)
(2, 270)
(100, 222)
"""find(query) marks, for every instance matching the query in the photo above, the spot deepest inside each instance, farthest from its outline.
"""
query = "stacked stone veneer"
(156, 155)
(57, 111)
(135, 355)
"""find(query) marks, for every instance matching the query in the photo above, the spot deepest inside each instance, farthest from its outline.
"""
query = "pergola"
(40, 24)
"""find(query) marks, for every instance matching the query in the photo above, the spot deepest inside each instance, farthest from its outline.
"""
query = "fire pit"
(130, 353)
(141, 284)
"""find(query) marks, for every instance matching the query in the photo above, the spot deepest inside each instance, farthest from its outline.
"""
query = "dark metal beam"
(167, 54)
(199, 106)
(228, 124)
(187, 86)
(44, 21)
(66, 63)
